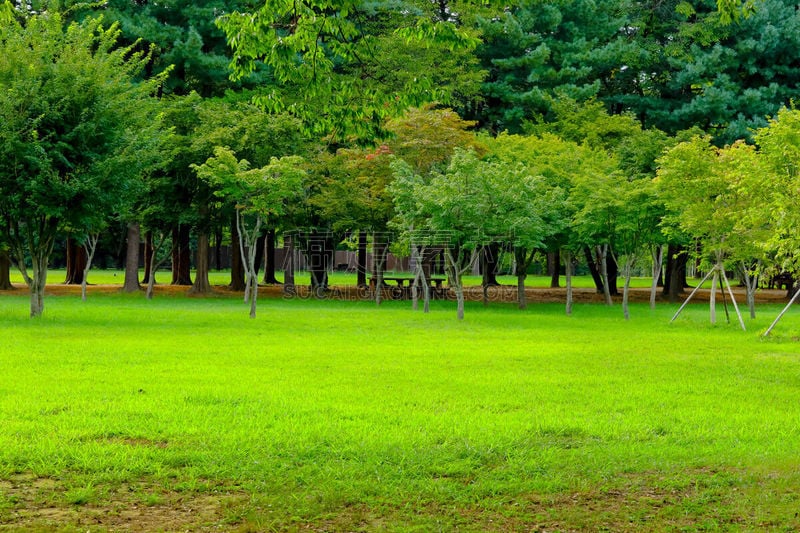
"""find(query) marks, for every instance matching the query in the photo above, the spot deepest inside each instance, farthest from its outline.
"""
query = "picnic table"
(401, 288)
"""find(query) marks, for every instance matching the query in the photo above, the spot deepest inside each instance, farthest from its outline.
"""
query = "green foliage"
(76, 132)
(779, 145)
(344, 68)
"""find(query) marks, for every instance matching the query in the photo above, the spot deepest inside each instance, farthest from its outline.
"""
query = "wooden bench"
(401, 288)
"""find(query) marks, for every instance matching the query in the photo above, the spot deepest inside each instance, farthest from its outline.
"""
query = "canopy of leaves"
(75, 130)
(344, 68)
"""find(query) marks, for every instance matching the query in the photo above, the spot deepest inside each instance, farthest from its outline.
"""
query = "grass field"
(223, 277)
(182, 414)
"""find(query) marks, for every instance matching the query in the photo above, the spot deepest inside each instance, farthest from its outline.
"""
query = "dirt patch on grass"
(28, 503)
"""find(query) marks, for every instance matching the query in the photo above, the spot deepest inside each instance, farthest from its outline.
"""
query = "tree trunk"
(237, 266)
(490, 260)
(554, 268)
(261, 244)
(602, 251)
(201, 284)
(89, 248)
(132, 259)
(319, 256)
(38, 282)
(5, 271)
(269, 264)
(378, 263)
(658, 260)
(612, 272)
(181, 256)
(288, 270)
(712, 300)
(521, 259)
(675, 274)
(361, 273)
(76, 262)
(626, 288)
(568, 277)
(590, 262)
(148, 256)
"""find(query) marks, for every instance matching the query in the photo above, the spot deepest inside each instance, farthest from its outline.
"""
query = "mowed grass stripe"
(316, 408)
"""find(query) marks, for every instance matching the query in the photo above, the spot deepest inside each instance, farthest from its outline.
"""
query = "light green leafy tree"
(697, 182)
(461, 209)
(259, 194)
(779, 145)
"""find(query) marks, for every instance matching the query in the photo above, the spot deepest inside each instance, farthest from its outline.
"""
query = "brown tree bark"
(554, 268)
(237, 267)
(76, 262)
(590, 262)
(490, 260)
(261, 245)
(148, 255)
(361, 268)
(269, 264)
(181, 256)
(5, 271)
(675, 272)
(201, 284)
(132, 259)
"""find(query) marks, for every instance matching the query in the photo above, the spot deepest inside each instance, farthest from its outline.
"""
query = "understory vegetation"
(343, 416)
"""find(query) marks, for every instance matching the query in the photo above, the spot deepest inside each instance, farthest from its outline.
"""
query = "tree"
(702, 201)
(258, 193)
(779, 145)
(461, 209)
(71, 120)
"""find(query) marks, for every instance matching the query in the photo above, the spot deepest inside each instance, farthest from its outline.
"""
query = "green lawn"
(183, 414)
(112, 277)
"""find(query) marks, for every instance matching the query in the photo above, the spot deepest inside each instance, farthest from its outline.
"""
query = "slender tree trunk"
(592, 264)
(76, 262)
(148, 255)
(39, 281)
(380, 247)
(132, 259)
(554, 268)
(237, 266)
(602, 252)
(521, 256)
(5, 272)
(201, 284)
(361, 269)
(269, 265)
(612, 272)
(626, 287)
(751, 285)
(181, 256)
(288, 269)
(261, 252)
(155, 262)
(90, 247)
(712, 309)
(658, 260)
(568, 276)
